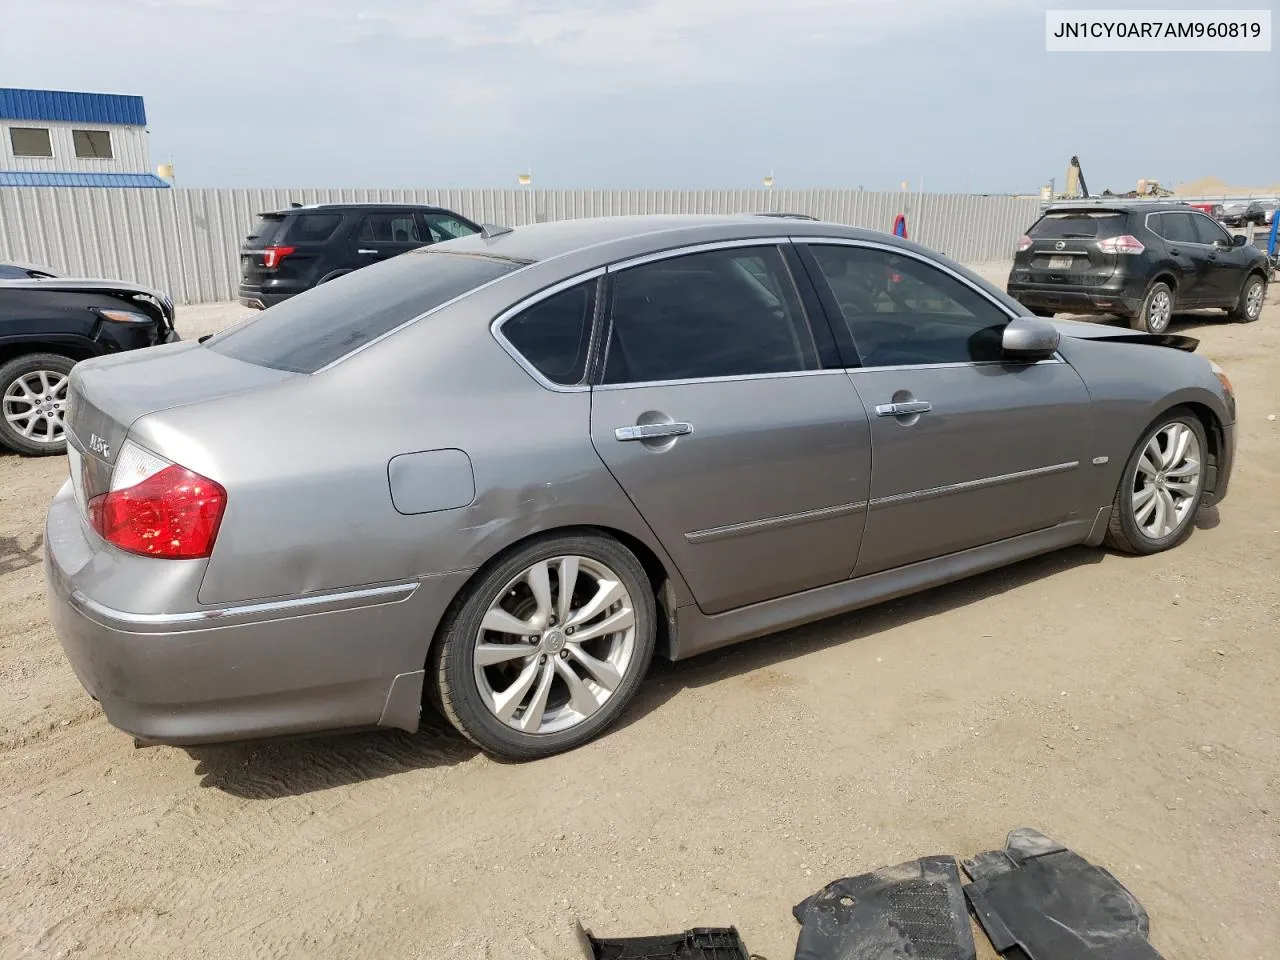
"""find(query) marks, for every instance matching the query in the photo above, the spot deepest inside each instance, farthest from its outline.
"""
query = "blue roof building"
(55, 138)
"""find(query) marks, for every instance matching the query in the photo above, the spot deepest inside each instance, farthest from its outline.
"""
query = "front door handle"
(367, 251)
(904, 409)
(653, 431)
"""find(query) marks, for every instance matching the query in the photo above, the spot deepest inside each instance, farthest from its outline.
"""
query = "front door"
(967, 449)
(750, 464)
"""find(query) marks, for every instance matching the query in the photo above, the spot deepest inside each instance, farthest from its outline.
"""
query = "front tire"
(1156, 310)
(1161, 487)
(1249, 307)
(33, 400)
(544, 652)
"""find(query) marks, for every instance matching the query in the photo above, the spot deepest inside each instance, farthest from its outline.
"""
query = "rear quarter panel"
(305, 462)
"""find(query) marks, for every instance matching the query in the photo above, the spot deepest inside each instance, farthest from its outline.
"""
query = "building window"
(92, 144)
(30, 142)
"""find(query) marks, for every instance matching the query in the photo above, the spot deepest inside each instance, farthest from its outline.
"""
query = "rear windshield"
(265, 230)
(315, 328)
(1083, 224)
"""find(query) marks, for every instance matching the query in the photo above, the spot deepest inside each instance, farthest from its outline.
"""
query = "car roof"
(370, 205)
(643, 233)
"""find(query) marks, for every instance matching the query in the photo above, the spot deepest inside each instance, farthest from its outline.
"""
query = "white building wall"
(128, 148)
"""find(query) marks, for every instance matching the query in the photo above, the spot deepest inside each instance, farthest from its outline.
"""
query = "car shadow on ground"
(293, 767)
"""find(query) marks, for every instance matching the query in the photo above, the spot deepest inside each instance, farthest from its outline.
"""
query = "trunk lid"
(1064, 248)
(107, 395)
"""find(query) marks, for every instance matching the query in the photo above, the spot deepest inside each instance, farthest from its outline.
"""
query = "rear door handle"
(366, 251)
(652, 431)
(904, 409)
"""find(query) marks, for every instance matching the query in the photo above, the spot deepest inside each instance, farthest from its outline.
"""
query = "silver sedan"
(500, 474)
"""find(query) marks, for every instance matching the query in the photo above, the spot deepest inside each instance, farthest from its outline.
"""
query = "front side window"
(723, 313)
(443, 227)
(389, 228)
(1207, 231)
(92, 144)
(902, 311)
(554, 334)
(30, 142)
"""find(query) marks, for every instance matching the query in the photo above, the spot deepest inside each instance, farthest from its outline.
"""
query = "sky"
(951, 95)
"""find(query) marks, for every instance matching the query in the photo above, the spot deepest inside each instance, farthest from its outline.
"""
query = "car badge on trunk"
(1060, 245)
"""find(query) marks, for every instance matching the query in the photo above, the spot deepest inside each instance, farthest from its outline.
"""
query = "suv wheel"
(547, 648)
(1161, 486)
(1156, 311)
(1249, 307)
(33, 399)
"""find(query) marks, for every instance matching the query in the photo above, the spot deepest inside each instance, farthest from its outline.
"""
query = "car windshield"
(1082, 224)
(324, 324)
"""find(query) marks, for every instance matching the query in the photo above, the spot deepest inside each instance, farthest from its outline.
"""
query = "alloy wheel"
(1253, 301)
(555, 645)
(1167, 482)
(34, 405)
(1159, 311)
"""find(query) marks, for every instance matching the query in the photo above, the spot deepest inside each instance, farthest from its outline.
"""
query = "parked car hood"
(1080, 330)
(117, 288)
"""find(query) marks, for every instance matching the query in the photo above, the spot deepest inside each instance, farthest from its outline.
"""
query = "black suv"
(1138, 260)
(293, 250)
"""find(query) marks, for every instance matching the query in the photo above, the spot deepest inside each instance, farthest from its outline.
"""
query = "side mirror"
(1239, 240)
(1028, 339)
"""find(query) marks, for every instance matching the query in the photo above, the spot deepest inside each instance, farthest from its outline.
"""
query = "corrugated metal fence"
(185, 242)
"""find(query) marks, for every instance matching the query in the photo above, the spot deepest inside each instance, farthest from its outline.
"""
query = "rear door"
(1225, 264)
(1064, 248)
(749, 461)
(384, 234)
(968, 448)
(1184, 252)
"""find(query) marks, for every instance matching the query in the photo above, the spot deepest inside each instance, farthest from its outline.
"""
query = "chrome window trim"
(705, 246)
(249, 612)
(687, 381)
(1056, 358)
(495, 328)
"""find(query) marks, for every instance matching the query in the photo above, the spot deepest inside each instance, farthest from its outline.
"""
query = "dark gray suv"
(293, 250)
(1142, 261)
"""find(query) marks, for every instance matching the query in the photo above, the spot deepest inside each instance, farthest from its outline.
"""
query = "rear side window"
(724, 313)
(1176, 227)
(312, 227)
(265, 230)
(554, 335)
(389, 228)
(324, 324)
(1081, 225)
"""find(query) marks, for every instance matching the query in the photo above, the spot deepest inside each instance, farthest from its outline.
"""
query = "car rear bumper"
(259, 299)
(1063, 299)
(322, 662)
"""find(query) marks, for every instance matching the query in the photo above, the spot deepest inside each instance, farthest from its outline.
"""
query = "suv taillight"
(1024, 243)
(1125, 244)
(158, 509)
(272, 256)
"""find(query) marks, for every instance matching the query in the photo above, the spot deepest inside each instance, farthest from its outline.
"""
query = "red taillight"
(1125, 244)
(1024, 243)
(158, 509)
(272, 256)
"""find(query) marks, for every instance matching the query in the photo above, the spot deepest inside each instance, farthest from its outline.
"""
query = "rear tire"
(1156, 310)
(33, 398)
(1249, 306)
(1160, 490)
(543, 686)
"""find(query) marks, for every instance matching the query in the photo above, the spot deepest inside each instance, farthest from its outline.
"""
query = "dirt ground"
(1127, 707)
